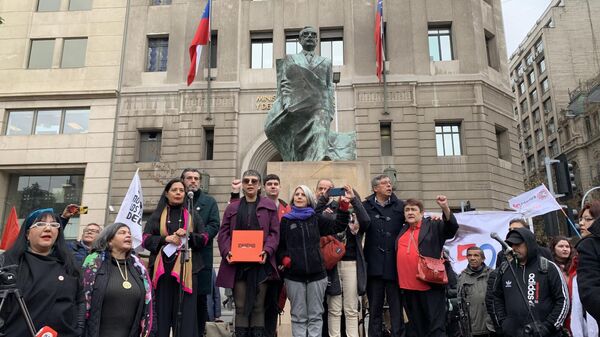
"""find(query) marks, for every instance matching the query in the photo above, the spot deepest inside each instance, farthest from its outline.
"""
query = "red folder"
(246, 245)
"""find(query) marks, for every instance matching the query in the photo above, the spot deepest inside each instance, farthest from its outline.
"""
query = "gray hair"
(310, 196)
(107, 234)
(375, 181)
(252, 173)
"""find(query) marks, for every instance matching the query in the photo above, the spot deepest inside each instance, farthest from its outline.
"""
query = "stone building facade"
(561, 51)
(448, 127)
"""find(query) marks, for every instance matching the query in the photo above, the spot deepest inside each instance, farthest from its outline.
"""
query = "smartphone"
(337, 192)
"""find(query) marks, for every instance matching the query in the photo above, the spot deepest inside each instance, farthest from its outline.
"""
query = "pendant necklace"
(126, 284)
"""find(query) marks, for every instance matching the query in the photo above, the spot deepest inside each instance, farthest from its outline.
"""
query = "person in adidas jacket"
(542, 284)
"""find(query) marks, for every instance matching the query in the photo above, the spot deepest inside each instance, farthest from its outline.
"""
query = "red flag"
(201, 38)
(380, 57)
(11, 230)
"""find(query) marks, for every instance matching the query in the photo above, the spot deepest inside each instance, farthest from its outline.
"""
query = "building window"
(551, 127)
(531, 77)
(533, 96)
(30, 192)
(73, 55)
(40, 55)
(528, 142)
(524, 106)
(440, 43)
(385, 134)
(548, 105)
(158, 53)
(526, 124)
(520, 70)
(160, 2)
(502, 143)
(48, 5)
(48, 121)
(539, 136)
(491, 49)
(536, 115)
(209, 143)
(531, 163)
(80, 5)
(541, 156)
(545, 86)
(522, 87)
(447, 138)
(554, 148)
(529, 59)
(262, 50)
(542, 66)
(539, 46)
(332, 45)
(150, 143)
(292, 44)
(214, 42)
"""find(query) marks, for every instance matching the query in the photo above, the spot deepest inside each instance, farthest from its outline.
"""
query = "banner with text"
(131, 210)
(537, 201)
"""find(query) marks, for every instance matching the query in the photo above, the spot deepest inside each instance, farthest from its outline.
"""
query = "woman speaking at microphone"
(117, 287)
(47, 278)
(164, 237)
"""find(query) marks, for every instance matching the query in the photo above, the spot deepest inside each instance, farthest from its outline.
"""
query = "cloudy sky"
(519, 18)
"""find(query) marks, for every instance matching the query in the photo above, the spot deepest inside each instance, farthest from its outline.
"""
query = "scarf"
(159, 267)
(92, 264)
(247, 221)
(299, 213)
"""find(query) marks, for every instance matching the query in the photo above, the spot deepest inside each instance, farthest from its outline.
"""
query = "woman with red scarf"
(164, 237)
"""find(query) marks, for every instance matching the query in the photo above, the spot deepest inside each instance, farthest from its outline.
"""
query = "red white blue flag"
(380, 56)
(201, 38)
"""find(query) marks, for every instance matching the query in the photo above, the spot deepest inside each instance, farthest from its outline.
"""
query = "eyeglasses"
(586, 219)
(44, 224)
(91, 231)
(250, 181)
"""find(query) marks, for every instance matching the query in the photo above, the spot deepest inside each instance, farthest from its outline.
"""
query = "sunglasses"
(44, 224)
(250, 181)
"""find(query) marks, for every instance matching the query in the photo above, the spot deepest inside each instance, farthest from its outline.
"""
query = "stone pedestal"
(292, 174)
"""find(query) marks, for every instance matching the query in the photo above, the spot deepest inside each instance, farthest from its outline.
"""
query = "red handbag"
(332, 251)
(430, 269)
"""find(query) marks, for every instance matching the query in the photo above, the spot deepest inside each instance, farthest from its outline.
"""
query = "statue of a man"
(298, 125)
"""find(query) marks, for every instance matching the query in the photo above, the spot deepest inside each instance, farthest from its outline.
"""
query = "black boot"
(242, 332)
(257, 332)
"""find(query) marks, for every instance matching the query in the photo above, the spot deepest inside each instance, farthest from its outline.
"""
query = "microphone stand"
(528, 304)
(185, 257)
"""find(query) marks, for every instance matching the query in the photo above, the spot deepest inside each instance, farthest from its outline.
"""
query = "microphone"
(46, 332)
(190, 194)
(505, 247)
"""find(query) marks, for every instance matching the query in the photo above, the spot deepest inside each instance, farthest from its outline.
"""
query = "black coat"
(380, 237)
(92, 324)
(588, 271)
(433, 235)
(300, 241)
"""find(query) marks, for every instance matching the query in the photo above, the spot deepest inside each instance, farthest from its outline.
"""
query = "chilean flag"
(379, 55)
(201, 38)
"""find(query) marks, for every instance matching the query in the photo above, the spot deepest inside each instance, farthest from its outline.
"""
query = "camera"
(8, 277)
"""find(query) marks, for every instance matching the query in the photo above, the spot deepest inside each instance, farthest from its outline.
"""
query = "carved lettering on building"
(216, 101)
(265, 102)
(162, 172)
(393, 96)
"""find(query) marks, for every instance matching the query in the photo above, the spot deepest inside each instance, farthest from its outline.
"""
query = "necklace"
(126, 284)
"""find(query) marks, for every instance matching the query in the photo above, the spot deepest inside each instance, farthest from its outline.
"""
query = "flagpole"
(383, 70)
(209, 78)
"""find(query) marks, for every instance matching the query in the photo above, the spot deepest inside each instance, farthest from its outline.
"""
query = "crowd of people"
(330, 256)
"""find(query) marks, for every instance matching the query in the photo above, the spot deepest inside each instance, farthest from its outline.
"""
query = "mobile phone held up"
(78, 209)
(337, 192)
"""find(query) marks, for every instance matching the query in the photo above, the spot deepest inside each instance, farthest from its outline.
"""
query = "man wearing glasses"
(82, 247)
(207, 207)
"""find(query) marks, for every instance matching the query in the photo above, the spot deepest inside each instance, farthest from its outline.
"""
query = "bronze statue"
(299, 122)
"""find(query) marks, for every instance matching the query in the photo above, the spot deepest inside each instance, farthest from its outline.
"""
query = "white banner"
(537, 201)
(474, 230)
(131, 210)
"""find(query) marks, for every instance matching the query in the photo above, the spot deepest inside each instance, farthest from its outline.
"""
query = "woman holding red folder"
(248, 279)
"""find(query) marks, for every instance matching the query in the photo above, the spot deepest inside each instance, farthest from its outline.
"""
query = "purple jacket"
(266, 211)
